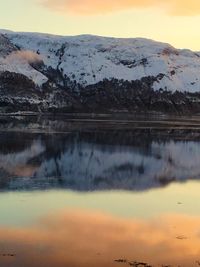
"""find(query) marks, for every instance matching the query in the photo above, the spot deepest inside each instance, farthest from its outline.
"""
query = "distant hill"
(48, 73)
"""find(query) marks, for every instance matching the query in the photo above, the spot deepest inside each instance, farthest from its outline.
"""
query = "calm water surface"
(77, 194)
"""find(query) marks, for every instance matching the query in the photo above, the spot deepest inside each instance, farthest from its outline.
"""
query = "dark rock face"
(6, 47)
(18, 93)
(59, 94)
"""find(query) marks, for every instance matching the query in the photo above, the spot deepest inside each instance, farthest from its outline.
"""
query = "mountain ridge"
(93, 73)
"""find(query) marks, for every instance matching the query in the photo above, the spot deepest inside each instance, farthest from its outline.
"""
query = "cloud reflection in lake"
(82, 238)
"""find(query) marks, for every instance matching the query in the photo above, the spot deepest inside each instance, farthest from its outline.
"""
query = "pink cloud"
(90, 7)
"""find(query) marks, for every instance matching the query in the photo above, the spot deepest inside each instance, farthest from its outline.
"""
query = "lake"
(104, 191)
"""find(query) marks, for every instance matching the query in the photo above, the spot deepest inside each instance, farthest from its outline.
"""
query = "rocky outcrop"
(19, 93)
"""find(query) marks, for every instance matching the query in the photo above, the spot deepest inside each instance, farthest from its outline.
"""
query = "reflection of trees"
(96, 160)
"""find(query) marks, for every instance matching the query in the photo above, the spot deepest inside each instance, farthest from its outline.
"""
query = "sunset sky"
(173, 21)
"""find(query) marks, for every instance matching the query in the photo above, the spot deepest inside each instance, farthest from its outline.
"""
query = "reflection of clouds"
(93, 239)
(17, 163)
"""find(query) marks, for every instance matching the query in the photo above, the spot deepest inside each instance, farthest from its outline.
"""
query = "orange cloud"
(84, 239)
(90, 7)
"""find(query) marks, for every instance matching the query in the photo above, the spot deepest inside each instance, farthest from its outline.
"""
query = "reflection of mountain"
(95, 161)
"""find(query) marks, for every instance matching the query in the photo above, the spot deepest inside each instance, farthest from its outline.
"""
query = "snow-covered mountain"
(96, 73)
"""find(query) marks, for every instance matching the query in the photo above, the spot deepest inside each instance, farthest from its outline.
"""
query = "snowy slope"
(13, 60)
(90, 59)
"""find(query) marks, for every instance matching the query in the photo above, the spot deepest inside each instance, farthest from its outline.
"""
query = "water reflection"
(114, 228)
(83, 238)
(98, 160)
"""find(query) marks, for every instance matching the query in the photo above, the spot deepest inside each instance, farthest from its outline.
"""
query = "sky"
(171, 21)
